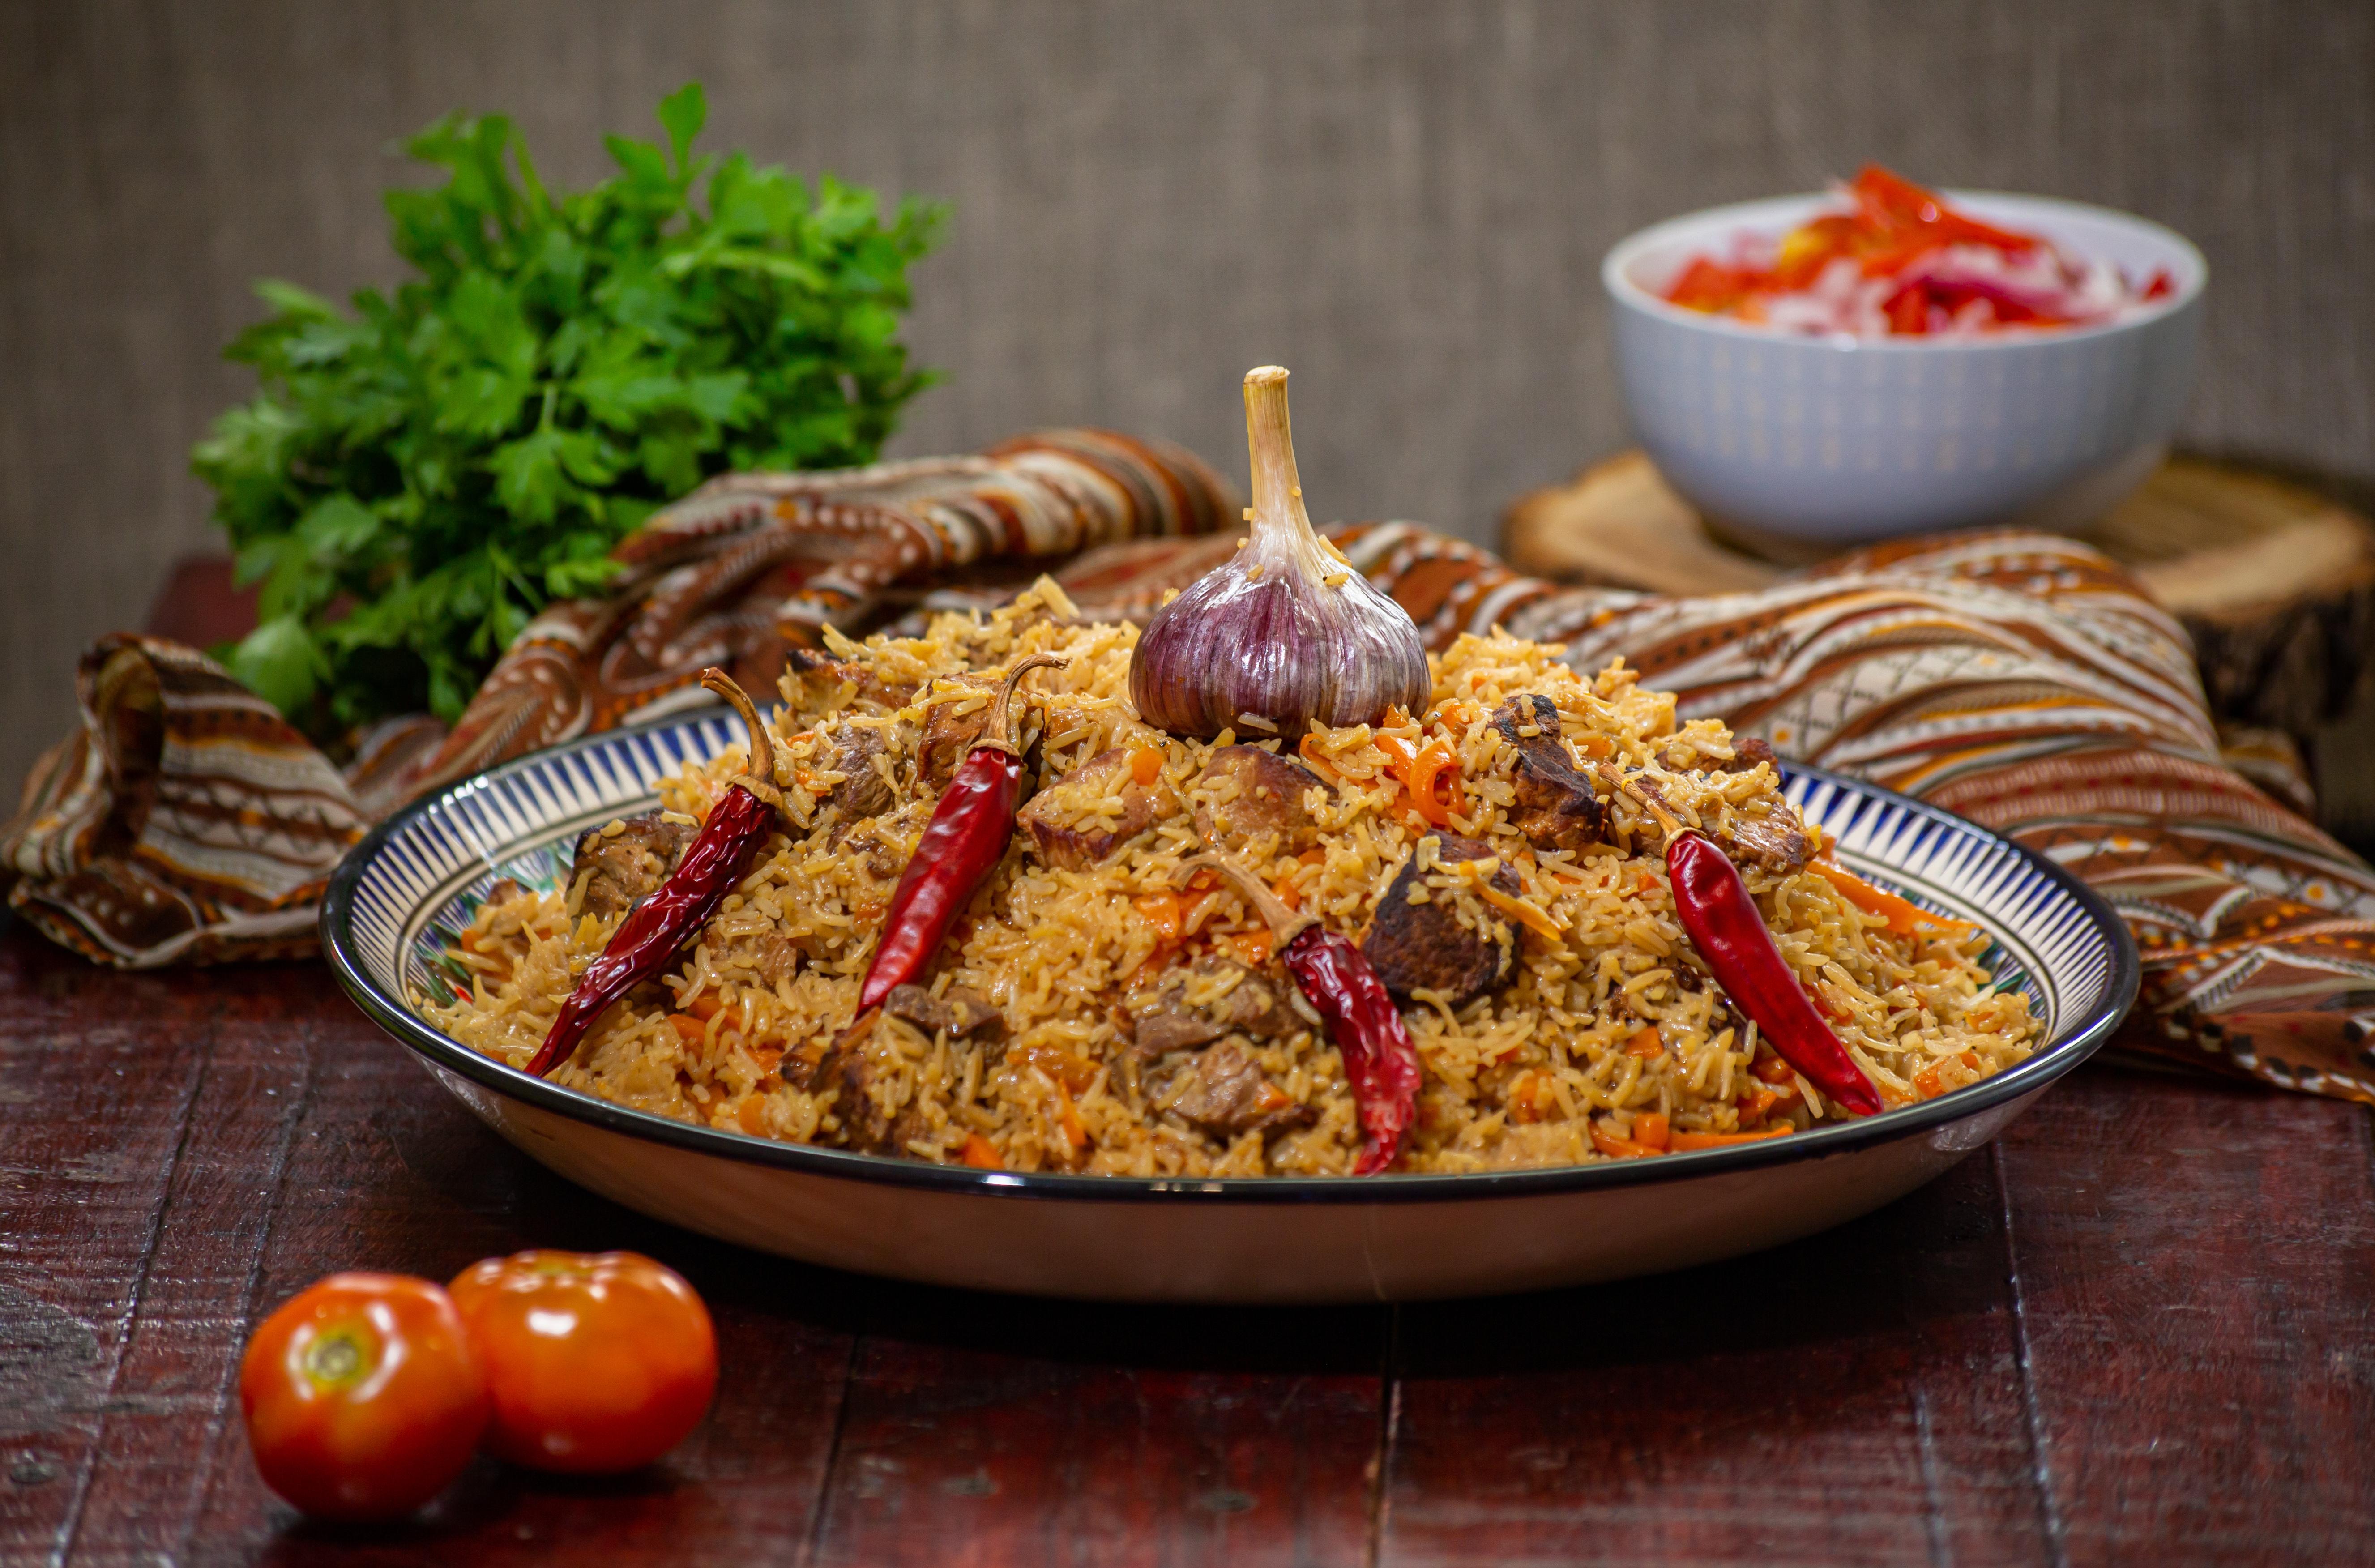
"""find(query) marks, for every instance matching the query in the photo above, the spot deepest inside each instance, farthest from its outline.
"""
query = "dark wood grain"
(2196, 1274)
(1056, 1433)
(1857, 1397)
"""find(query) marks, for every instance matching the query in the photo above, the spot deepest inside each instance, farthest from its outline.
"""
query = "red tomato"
(362, 1396)
(597, 1361)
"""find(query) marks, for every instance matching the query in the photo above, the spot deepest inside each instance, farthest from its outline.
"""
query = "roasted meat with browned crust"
(1065, 824)
(627, 861)
(1427, 946)
(1267, 809)
(1163, 1020)
(1224, 1093)
(1555, 806)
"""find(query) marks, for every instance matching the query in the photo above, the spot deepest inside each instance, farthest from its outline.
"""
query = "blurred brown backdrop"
(1406, 203)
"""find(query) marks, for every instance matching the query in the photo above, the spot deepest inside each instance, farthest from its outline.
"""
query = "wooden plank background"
(1404, 202)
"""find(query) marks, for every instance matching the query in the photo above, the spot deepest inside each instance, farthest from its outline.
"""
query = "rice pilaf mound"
(1099, 1009)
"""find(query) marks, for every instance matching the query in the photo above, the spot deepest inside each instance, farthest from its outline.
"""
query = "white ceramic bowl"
(399, 899)
(1832, 441)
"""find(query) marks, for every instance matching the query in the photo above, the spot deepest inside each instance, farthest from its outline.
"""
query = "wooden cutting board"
(2275, 582)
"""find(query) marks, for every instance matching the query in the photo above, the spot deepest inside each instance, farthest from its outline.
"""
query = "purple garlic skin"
(1275, 656)
(1285, 635)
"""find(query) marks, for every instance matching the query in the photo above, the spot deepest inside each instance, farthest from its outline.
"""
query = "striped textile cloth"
(2020, 680)
(186, 821)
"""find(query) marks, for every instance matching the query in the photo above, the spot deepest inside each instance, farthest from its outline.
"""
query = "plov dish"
(1471, 914)
(1256, 957)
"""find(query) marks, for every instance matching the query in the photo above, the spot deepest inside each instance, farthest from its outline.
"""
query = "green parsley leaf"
(425, 469)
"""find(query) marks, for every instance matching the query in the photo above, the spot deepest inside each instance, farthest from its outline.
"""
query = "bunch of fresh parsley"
(418, 478)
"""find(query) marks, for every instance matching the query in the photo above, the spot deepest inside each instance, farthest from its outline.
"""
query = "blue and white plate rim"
(1863, 817)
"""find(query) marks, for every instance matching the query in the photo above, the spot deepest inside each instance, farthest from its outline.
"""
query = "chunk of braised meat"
(1165, 1021)
(1747, 751)
(960, 1014)
(1777, 841)
(862, 791)
(779, 958)
(948, 734)
(1069, 830)
(876, 844)
(823, 676)
(1556, 807)
(1266, 804)
(1425, 946)
(864, 1125)
(808, 1066)
(627, 864)
(1225, 1092)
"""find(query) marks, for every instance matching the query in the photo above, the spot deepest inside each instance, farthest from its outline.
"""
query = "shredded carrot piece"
(1684, 1142)
(691, 1028)
(747, 1115)
(1251, 948)
(1650, 1130)
(1773, 1069)
(1531, 1098)
(1903, 917)
(1608, 1143)
(1308, 749)
(1423, 779)
(705, 1007)
(1928, 1081)
(1162, 912)
(1071, 1072)
(1069, 1119)
(1145, 764)
(1524, 914)
(1644, 1044)
(1757, 1106)
(981, 1154)
(1288, 893)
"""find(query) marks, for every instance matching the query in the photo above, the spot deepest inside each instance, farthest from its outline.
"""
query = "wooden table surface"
(2136, 1329)
(2140, 1328)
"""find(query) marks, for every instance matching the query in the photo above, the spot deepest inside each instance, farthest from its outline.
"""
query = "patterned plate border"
(401, 892)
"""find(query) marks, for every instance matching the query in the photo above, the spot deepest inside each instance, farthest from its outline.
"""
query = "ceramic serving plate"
(398, 900)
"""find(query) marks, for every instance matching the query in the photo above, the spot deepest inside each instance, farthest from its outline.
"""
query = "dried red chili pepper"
(656, 930)
(1335, 978)
(1728, 930)
(962, 844)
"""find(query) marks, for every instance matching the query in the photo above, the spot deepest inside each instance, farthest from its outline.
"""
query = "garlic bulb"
(1285, 635)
